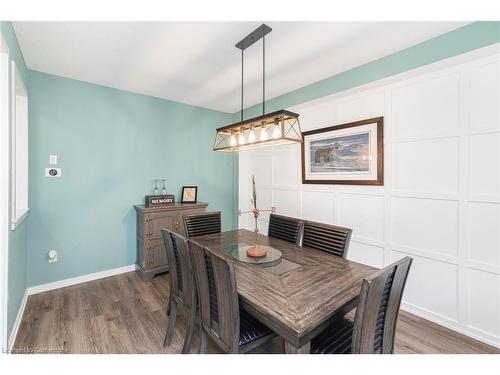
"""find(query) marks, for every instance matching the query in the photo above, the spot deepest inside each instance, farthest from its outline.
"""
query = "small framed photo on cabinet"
(189, 194)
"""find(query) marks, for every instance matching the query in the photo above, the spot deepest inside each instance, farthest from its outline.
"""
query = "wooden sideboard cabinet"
(151, 254)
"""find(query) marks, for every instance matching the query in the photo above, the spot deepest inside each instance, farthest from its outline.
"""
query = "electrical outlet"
(52, 255)
(53, 172)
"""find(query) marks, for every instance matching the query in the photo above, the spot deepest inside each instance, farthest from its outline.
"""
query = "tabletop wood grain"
(299, 296)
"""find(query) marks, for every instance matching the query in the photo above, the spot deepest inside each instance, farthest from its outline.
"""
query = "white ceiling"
(197, 63)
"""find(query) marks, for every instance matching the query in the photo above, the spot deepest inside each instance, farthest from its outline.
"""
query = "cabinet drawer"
(155, 222)
(154, 254)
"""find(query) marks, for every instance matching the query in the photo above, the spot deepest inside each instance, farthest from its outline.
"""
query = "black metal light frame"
(279, 127)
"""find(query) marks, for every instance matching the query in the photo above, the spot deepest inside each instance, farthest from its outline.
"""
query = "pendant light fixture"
(271, 129)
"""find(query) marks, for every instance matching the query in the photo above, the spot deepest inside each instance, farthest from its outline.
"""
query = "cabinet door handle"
(176, 225)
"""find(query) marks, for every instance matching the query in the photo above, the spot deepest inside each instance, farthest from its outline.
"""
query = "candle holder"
(155, 189)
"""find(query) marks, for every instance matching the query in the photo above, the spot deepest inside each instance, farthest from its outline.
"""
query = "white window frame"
(4, 188)
(19, 148)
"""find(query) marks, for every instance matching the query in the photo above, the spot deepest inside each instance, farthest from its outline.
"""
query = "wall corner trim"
(79, 279)
(17, 322)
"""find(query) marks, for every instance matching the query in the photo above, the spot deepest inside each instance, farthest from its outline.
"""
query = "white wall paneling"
(426, 108)
(441, 200)
(318, 206)
(432, 285)
(415, 168)
(429, 224)
(484, 308)
(484, 234)
(484, 97)
(485, 164)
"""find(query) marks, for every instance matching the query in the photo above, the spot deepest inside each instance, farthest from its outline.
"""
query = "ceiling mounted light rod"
(256, 35)
(264, 74)
(242, 60)
(279, 127)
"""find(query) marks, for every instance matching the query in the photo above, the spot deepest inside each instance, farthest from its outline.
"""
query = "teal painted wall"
(111, 144)
(17, 241)
(467, 38)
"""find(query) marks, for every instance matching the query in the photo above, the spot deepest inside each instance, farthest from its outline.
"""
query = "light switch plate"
(53, 172)
(52, 159)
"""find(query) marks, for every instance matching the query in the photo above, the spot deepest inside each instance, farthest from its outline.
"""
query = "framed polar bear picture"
(347, 154)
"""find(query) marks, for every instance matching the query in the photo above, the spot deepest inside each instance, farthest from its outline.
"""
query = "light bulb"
(232, 140)
(251, 136)
(263, 134)
(276, 131)
(241, 139)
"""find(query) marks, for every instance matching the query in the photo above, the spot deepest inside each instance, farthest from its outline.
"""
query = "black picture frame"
(184, 189)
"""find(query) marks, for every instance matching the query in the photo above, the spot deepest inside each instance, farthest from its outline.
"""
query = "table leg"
(292, 349)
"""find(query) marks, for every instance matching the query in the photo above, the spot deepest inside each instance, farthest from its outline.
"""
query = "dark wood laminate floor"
(123, 314)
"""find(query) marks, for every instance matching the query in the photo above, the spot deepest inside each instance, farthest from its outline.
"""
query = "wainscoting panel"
(432, 285)
(262, 169)
(285, 172)
(366, 254)
(363, 213)
(485, 164)
(484, 98)
(440, 203)
(484, 306)
(318, 206)
(429, 224)
(484, 233)
(426, 165)
(287, 201)
(426, 107)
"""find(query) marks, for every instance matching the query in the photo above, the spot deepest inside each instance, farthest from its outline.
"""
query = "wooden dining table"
(298, 297)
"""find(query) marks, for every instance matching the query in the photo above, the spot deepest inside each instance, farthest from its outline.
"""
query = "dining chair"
(200, 224)
(232, 329)
(374, 326)
(328, 238)
(182, 287)
(285, 228)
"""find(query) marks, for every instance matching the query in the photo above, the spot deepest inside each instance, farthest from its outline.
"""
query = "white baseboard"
(17, 322)
(79, 279)
(451, 324)
(60, 284)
